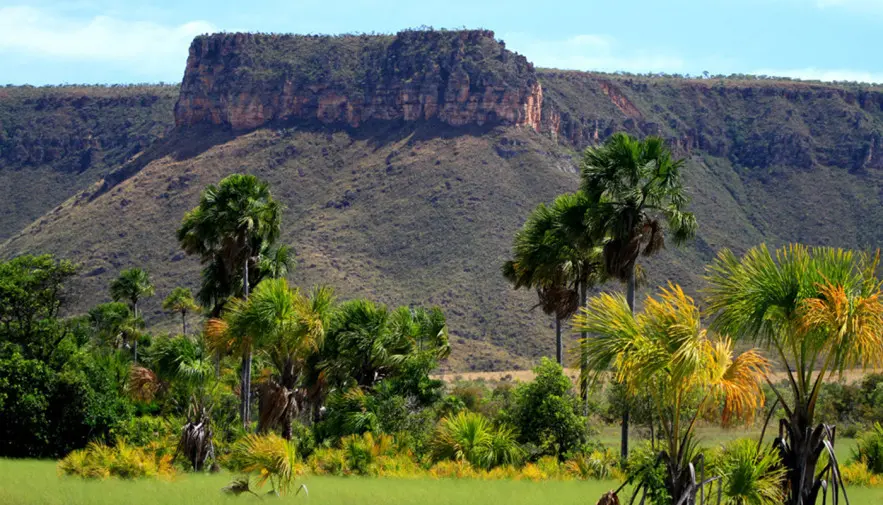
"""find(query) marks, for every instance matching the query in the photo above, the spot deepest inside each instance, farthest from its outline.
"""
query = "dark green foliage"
(56, 411)
(31, 294)
(645, 466)
(869, 449)
(546, 413)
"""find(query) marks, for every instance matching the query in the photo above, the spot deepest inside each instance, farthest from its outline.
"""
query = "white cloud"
(817, 74)
(591, 52)
(143, 47)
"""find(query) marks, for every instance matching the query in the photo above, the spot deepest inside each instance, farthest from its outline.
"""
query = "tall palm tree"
(819, 312)
(554, 254)
(664, 352)
(181, 301)
(233, 223)
(133, 285)
(634, 192)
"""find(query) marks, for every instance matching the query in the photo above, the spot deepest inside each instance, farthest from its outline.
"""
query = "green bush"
(645, 467)
(141, 431)
(751, 474)
(869, 449)
(471, 437)
(546, 413)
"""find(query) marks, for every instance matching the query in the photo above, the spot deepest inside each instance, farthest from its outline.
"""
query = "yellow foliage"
(100, 461)
(858, 474)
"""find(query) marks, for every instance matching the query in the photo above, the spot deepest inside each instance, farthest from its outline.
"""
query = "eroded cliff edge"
(456, 77)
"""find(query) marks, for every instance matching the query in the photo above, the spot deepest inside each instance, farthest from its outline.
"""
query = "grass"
(31, 482)
(36, 483)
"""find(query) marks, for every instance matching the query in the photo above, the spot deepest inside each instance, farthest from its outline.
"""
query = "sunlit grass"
(37, 483)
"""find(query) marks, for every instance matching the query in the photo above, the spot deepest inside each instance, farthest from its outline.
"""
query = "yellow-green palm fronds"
(736, 380)
(851, 324)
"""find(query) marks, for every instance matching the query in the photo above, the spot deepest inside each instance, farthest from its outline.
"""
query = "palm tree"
(296, 332)
(366, 341)
(233, 223)
(132, 286)
(181, 300)
(554, 255)
(665, 352)
(286, 326)
(634, 191)
(818, 311)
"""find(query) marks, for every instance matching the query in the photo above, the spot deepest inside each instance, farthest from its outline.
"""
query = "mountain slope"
(407, 185)
(55, 141)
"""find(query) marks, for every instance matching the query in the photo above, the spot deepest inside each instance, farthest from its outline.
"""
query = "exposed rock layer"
(459, 78)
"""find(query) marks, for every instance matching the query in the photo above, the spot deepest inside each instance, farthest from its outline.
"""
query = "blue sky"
(114, 41)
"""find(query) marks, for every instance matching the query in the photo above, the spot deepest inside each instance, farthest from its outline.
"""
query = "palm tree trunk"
(246, 366)
(630, 299)
(559, 345)
(184, 322)
(135, 340)
(583, 359)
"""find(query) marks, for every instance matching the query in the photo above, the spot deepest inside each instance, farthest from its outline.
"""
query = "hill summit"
(466, 77)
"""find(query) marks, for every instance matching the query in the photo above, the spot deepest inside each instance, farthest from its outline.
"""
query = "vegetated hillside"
(55, 141)
(782, 160)
(413, 208)
(419, 215)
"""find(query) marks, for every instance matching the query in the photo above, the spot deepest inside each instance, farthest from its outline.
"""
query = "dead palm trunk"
(630, 299)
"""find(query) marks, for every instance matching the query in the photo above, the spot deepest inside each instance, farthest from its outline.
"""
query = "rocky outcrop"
(456, 77)
(755, 123)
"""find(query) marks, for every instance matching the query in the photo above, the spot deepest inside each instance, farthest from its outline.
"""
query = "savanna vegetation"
(281, 387)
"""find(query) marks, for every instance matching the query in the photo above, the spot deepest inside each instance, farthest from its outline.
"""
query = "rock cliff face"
(459, 78)
(753, 123)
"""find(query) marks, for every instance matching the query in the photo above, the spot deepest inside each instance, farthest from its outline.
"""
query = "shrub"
(460, 469)
(270, 456)
(751, 474)
(141, 431)
(327, 461)
(470, 437)
(598, 464)
(362, 451)
(857, 473)
(869, 449)
(546, 413)
(98, 461)
(645, 467)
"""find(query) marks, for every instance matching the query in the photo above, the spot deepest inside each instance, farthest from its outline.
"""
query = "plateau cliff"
(456, 77)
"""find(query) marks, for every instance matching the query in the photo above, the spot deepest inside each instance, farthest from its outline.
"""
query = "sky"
(119, 41)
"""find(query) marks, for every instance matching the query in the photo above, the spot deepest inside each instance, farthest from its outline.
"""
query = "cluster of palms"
(306, 344)
(630, 192)
(815, 311)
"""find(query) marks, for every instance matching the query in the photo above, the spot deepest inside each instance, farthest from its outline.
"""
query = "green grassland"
(31, 482)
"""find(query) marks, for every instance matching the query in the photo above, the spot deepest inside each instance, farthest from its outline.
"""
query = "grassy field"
(36, 483)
